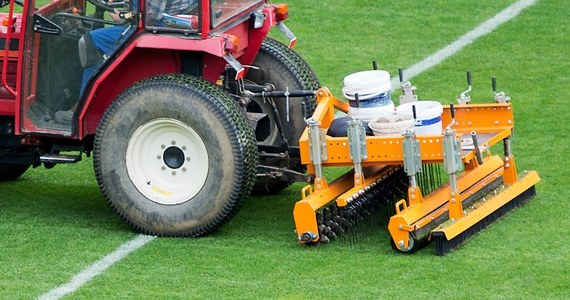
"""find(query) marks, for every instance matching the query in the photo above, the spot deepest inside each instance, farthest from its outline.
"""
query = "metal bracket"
(317, 145)
(357, 141)
(409, 94)
(236, 65)
(451, 152)
(288, 34)
(452, 158)
(501, 97)
(464, 98)
(412, 157)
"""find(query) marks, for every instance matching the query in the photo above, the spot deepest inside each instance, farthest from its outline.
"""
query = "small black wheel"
(282, 67)
(174, 156)
(9, 172)
(414, 245)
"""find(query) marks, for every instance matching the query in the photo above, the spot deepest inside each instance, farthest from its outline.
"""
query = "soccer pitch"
(56, 224)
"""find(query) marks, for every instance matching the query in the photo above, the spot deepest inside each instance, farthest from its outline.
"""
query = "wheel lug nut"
(173, 143)
(163, 168)
(183, 147)
(158, 157)
(183, 169)
(162, 146)
(173, 173)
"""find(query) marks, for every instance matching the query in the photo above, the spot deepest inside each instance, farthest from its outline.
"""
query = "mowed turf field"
(55, 224)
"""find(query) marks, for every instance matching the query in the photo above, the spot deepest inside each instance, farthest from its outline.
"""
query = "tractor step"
(60, 158)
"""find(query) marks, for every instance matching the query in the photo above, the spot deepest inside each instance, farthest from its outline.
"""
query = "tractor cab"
(63, 46)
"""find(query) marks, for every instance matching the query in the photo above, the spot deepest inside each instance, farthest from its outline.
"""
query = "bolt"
(188, 158)
(158, 157)
(173, 143)
(162, 146)
(401, 244)
(163, 168)
(183, 147)
(452, 200)
(183, 169)
(173, 173)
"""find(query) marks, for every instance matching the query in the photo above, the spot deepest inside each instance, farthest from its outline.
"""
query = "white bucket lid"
(371, 82)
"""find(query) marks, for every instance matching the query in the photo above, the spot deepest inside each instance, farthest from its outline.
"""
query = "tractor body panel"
(43, 74)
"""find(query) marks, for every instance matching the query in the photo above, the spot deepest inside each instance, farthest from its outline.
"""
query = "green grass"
(55, 223)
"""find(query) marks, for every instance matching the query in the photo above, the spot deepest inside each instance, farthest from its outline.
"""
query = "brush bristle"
(444, 246)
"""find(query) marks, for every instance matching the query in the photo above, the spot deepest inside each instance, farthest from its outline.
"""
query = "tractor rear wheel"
(278, 65)
(10, 172)
(175, 156)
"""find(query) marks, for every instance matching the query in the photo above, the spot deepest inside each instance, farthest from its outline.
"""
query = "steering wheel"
(110, 6)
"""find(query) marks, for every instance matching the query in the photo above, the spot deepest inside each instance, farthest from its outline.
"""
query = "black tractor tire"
(175, 156)
(9, 172)
(278, 65)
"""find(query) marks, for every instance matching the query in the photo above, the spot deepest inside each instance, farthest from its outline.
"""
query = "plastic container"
(428, 116)
(367, 114)
(374, 93)
(391, 124)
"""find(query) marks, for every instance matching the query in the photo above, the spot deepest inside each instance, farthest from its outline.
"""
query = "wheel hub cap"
(174, 157)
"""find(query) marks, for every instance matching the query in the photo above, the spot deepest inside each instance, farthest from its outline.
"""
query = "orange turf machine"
(443, 187)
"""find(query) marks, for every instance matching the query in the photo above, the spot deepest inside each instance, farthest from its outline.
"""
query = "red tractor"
(186, 112)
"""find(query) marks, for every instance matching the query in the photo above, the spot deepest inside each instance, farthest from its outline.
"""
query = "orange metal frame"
(493, 123)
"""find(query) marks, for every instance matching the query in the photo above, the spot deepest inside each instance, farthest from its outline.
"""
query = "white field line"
(98, 267)
(485, 28)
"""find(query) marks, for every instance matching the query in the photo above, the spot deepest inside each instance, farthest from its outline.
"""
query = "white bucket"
(428, 116)
(367, 114)
(391, 124)
(373, 88)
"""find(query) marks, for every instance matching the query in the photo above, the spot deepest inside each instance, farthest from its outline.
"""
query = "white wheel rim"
(167, 161)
